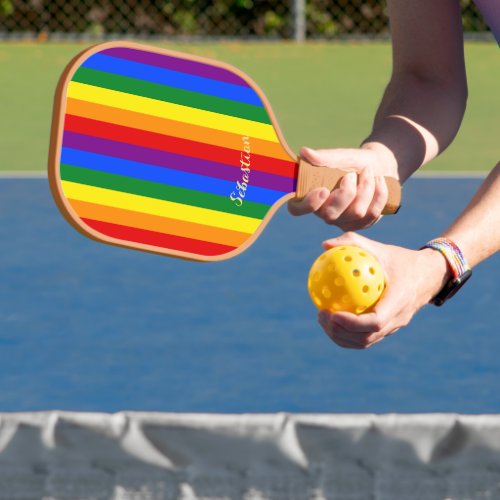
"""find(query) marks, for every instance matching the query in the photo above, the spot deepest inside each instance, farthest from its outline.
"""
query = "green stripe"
(161, 191)
(170, 94)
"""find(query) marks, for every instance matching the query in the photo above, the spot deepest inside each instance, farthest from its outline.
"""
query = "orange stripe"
(172, 128)
(86, 210)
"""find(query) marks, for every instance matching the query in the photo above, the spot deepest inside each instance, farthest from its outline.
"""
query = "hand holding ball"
(346, 278)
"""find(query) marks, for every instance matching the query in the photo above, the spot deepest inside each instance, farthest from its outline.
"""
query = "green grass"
(323, 94)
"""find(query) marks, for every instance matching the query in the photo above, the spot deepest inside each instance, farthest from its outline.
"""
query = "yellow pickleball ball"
(346, 278)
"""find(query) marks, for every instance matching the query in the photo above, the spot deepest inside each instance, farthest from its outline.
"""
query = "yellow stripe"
(143, 204)
(176, 112)
(173, 128)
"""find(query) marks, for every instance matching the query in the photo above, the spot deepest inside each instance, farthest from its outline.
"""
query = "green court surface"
(324, 95)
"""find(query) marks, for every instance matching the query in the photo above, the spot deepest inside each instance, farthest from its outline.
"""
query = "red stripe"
(161, 240)
(176, 145)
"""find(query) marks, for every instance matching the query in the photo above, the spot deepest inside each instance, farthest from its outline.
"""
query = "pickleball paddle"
(172, 153)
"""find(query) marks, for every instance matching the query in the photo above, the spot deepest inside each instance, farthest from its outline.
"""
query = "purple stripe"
(173, 161)
(177, 64)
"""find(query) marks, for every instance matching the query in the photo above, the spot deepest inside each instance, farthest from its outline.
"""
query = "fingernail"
(306, 150)
(324, 194)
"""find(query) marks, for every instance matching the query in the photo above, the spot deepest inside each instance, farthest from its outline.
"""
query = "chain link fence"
(284, 19)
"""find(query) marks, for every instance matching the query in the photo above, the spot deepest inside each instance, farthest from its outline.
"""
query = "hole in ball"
(356, 273)
(346, 299)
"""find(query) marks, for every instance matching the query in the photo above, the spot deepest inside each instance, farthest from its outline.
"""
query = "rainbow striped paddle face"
(171, 153)
(166, 152)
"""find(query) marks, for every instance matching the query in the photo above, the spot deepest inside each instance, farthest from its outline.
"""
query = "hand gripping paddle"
(171, 153)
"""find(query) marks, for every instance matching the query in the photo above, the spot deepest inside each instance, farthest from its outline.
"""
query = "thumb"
(349, 238)
(313, 156)
(349, 159)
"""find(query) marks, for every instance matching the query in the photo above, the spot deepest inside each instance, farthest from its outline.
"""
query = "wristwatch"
(460, 270)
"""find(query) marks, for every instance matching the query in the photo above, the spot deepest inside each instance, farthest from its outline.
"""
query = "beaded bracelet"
(452, 254)
(459, 267)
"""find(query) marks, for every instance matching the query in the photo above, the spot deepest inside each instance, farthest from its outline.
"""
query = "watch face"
(451, 288)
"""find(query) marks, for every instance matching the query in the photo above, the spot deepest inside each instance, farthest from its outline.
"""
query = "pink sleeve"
(490, 9)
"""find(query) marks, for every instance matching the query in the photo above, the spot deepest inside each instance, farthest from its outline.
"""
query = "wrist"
(437, 273)
(388, 165)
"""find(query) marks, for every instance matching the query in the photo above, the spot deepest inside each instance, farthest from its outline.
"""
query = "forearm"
(416, 120)
(477, 230)
(424, 103)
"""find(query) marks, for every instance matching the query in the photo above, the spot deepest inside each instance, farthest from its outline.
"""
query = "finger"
(342, 341)
(357, 341)
(366, 209)
(345, 344)
(375, 341)
(339, 199)
(338, 334)
(362, 324)
(348, 338)
(384, 319)
(374, 211)
(311, 203)
(354, 341)
(380, 197)
(358, 214)
(362, 340)
(376, 338)
(348, 238)
(358, 224)
(358, 209)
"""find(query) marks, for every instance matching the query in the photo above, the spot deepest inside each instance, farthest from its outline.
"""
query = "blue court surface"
(91, 327)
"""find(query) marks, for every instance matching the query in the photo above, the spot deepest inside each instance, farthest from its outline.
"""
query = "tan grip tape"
(311, 177)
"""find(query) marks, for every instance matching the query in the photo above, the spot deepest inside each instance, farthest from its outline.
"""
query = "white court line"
(23, 174)
(455, 174)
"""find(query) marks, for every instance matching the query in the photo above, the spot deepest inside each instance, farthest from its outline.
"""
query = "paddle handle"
(311, 177)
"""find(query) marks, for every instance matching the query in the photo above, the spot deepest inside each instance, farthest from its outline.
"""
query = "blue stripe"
(143, 171)
(172, 78)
